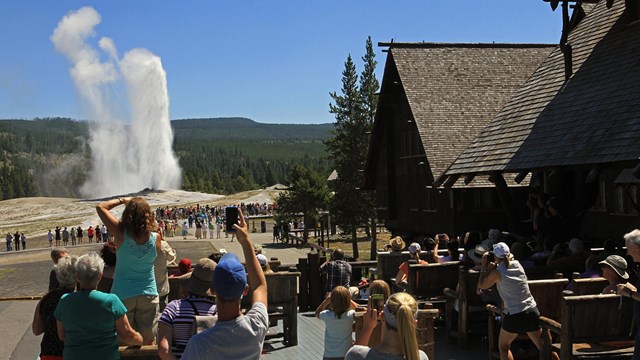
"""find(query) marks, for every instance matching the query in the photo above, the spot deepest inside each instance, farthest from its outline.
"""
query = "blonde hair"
(340, 300)
(403, 308)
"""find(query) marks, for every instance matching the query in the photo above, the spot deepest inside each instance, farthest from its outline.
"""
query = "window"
(618, 200)
(601, 200)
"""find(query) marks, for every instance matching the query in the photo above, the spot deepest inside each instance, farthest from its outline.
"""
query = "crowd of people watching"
(119, 297)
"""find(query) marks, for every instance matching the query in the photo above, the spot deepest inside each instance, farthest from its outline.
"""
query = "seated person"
(396, 245)
(520, 252)
(453, 254)
(176, 322)
(235, 335)
(403, 270)
(542, 255)
(614, 270)
(574, 258)
(264, 263)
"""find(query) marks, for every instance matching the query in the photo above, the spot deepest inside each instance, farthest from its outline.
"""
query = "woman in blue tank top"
(136, 248)
(520, 313)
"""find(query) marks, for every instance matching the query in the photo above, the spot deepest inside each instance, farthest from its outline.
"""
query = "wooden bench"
(547, 294)
(588, 286)
(388, 264)
(425, 332)
(178, 287)
(427, 282)
(146, 352)
(542, 272)
(282, 298)
(470, 306)
(592, 326)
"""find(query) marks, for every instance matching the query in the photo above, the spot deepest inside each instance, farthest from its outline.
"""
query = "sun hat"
(262, 259)
(200, 279)
(414, 247)
(476, 253)
(618, 264)
(397, 243)
(501, 250)
(229, 278)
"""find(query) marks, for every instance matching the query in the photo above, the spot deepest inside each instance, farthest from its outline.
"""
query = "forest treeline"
(52, 157)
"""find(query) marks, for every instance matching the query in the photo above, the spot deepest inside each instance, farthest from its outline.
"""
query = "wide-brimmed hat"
(618, 264)
(476, 253)
(200, 279)
(397, 243)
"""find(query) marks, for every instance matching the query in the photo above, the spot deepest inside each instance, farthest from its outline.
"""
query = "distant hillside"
(243, 128)
(51, 157)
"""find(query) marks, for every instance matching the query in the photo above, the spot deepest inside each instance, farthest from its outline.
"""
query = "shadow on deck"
(311, 343)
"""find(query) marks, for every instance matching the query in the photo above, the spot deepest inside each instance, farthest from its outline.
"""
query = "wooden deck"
(311, 343)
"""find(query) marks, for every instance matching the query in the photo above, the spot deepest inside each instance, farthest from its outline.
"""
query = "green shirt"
(89, 321)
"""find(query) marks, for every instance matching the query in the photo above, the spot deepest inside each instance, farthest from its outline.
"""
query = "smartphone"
(377, 302)
(231, 217)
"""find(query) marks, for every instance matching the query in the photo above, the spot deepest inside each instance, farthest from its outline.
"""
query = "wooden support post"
(315, 283)
(513, 220)
(303, 285)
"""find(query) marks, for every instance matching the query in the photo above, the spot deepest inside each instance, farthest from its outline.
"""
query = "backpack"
(201, 322)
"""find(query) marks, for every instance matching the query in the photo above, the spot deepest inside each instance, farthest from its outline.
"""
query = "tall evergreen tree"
(354, 110)
(369, 87)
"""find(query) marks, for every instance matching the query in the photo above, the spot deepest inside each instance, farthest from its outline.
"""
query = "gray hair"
(66, 271)
(89, 266)
(633, 237)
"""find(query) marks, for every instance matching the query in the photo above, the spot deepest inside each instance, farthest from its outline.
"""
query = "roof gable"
(594, 117)
(454, 90)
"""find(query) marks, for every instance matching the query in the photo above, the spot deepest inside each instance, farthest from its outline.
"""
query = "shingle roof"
(592, 118)
(454, 90)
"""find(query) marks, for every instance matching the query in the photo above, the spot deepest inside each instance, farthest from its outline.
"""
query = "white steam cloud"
(129, 152)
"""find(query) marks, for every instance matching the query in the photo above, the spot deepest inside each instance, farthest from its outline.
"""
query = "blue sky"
(273, 61)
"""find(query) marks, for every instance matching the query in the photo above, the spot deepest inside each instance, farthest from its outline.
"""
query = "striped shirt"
(179, 315)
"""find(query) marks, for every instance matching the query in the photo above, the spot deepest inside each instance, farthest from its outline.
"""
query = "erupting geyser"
(129, 152)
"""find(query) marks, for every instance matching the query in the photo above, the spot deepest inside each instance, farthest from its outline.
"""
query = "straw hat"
(397, 243)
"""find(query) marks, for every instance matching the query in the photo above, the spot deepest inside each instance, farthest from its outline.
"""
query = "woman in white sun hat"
(520, 313)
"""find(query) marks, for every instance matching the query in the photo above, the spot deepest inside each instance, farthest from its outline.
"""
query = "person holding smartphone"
(338, 322)
(398, 332)
(452, 249)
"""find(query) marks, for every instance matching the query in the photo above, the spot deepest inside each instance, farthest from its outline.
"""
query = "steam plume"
(132, 151)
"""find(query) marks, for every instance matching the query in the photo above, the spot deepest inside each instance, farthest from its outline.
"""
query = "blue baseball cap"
(229, 278)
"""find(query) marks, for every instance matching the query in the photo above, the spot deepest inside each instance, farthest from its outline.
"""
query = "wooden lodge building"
(574, 125)
(435, 98)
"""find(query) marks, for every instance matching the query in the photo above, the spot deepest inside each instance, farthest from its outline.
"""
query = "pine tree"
(343, 146)
(354, 110)
(369, 87)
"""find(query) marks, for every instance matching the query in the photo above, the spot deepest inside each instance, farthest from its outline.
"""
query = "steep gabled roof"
(592, 118)
(454, 90)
